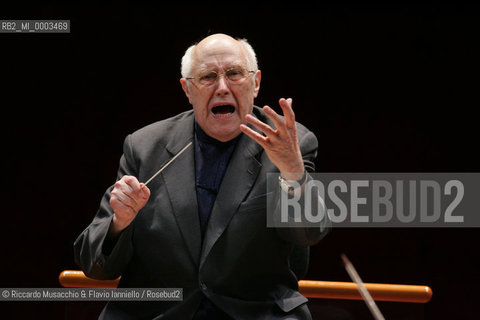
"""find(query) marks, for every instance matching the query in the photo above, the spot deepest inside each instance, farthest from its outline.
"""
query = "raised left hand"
(280, 144)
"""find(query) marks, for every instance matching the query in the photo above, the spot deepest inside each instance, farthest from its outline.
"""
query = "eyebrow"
(206, 68)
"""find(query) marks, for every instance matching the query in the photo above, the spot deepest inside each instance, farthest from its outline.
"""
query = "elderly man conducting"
(201, 224)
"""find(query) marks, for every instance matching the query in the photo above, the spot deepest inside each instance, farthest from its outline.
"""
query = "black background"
(386, 88)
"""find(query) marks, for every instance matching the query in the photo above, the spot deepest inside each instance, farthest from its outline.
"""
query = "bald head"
(217, 45)
(217, 40)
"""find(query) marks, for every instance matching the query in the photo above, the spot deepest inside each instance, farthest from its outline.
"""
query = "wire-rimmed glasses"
(235, 75)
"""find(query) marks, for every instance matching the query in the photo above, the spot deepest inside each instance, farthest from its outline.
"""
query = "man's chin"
(225, 135)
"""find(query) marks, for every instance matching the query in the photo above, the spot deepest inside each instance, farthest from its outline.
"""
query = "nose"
(222, 86)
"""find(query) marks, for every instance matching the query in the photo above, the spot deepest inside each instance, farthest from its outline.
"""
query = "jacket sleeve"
(97, 255)
(304, 233)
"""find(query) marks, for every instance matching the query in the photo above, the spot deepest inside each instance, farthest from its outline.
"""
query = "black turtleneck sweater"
(211, 161)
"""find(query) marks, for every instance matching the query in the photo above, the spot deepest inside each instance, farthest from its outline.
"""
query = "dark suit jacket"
(241, 265)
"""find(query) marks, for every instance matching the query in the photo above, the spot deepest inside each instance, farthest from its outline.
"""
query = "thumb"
(144, 192)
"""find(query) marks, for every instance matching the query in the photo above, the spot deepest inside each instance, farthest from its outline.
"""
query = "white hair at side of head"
(252, 64)
(187, 61)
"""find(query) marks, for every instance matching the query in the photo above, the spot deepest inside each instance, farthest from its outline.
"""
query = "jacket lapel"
(179, 179)
(239, 178)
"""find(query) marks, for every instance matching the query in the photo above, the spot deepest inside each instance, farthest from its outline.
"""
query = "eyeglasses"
(234, 75)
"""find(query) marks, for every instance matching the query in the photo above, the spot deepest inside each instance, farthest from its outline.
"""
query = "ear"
(184, 84)
(258, 78)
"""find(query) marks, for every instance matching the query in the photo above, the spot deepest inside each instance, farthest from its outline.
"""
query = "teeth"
(222, 115)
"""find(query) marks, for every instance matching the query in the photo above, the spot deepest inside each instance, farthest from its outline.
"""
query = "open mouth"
(223, 110)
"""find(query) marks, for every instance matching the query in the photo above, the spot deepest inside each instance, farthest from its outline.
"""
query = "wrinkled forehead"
(218, 53)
